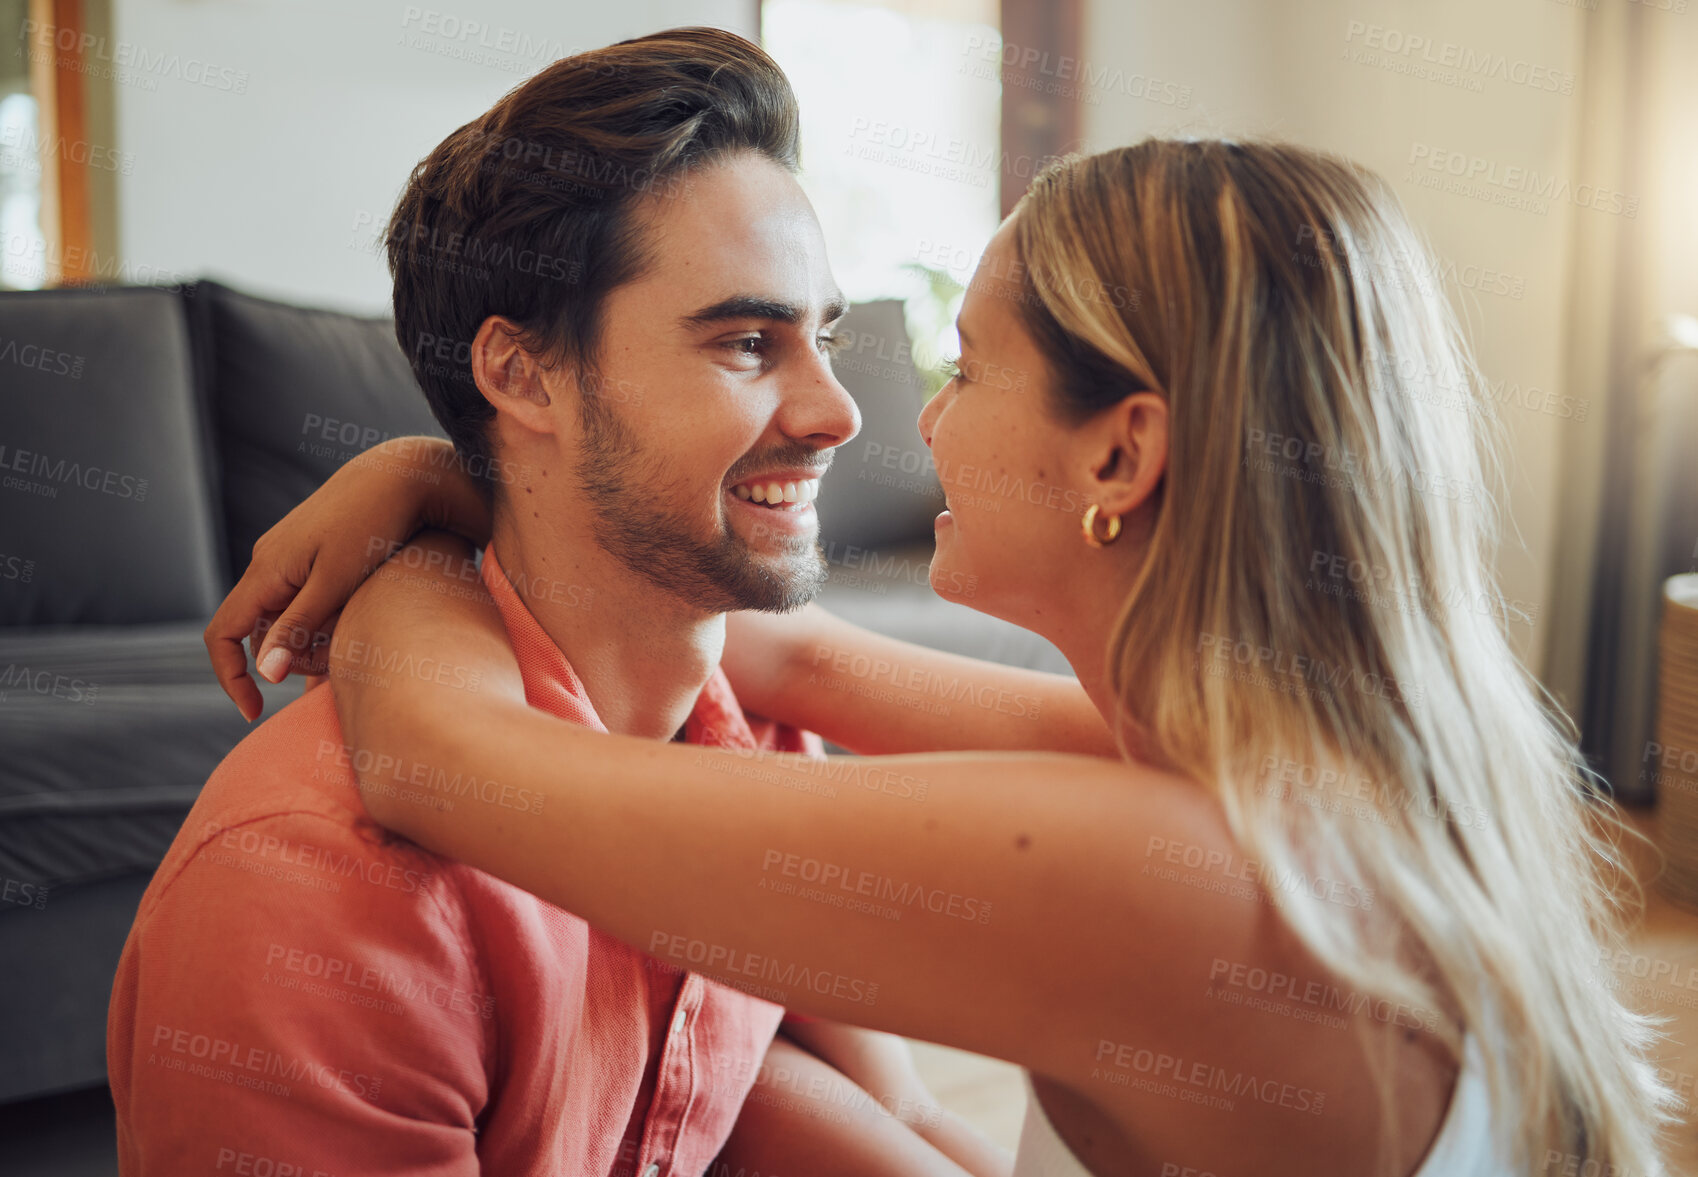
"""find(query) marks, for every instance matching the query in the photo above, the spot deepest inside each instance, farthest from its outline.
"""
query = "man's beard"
(630, 496)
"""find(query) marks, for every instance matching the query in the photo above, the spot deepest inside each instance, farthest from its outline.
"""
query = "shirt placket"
(675, 1083)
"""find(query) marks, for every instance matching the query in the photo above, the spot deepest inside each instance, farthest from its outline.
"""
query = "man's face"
(712, 411)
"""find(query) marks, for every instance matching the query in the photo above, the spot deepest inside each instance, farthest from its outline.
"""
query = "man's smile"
(778, 492)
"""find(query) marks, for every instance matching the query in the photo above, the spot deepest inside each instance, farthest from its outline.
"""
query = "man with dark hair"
(616, 299)
(564, 210)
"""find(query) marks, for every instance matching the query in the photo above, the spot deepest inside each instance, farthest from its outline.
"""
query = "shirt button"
(652, 1171)
(678, 1020)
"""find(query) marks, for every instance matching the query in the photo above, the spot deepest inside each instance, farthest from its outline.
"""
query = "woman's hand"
(306, 567)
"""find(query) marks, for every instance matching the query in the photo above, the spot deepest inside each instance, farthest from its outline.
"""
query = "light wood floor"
(1669, 933)
(990, 1093)
(986, 1093)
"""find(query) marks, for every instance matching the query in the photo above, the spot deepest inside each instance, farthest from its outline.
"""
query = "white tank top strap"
(1464, 1147)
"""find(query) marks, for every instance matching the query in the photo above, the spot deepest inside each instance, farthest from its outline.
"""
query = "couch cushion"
(106, 508)
(110, 734)
(882, 488)
(61, 960)
(296, 392)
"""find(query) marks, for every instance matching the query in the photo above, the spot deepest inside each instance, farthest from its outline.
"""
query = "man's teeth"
(800, 492)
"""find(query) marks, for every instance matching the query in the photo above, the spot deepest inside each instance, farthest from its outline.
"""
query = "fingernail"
(274, 664)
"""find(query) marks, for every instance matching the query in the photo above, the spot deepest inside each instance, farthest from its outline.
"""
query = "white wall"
(1282, 68)
(1672, 38)
(280, 188)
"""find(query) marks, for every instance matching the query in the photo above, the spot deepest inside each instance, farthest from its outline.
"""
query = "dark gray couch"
(147, 438)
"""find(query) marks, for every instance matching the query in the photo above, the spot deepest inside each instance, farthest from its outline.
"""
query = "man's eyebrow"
(756, 306)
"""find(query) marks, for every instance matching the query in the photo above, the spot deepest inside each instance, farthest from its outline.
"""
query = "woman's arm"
(883, 1066)
(989, 902)
(807, 669)
(879, 695)
(804, 1115)
(304, 568)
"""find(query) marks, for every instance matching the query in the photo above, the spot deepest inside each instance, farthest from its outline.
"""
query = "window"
(58, 186)
(901, 146)
(21, 242)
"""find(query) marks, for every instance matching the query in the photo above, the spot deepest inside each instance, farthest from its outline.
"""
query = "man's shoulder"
(287, 937)
(294, 762)
(283, 807)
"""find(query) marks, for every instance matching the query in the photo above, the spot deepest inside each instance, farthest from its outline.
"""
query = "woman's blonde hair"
(1316, 634)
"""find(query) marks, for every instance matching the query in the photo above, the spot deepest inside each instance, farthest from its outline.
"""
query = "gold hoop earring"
(1111, 530)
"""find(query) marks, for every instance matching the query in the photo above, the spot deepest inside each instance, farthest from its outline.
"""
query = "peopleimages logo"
(1464, 62)
(366, 975)
(100, 57)
(1510, 185)
(837, 882)
(1197, 1081)
(1238, 877)
(46, 260)
(926, 151)
(478, 42)
(43, 359)
(18, 893)
(951, 688)
(66, 472)
(241, 1064)
(750, 969)
(22, 149)
(1299, 674)
(1050, 73)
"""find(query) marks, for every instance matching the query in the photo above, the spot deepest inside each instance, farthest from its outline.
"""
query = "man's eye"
(747, 345)
(834, 345)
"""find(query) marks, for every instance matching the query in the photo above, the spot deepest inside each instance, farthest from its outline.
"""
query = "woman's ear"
(1129, 442)
(509, 376)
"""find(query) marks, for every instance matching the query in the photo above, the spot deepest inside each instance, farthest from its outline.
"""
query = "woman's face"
(1016, 481)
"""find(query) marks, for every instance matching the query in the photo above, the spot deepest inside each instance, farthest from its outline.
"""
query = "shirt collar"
(552, 685)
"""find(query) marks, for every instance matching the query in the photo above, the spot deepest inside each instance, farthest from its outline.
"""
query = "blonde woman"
(1337, 908)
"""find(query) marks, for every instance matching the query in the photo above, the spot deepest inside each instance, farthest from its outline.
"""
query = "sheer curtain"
(1630, 493)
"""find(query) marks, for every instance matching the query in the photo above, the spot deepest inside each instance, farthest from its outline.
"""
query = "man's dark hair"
(529, 211)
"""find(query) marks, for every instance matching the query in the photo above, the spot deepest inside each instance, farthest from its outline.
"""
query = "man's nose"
(818, 408)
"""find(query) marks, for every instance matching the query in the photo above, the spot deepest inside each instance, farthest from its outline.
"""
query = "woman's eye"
(952, 368)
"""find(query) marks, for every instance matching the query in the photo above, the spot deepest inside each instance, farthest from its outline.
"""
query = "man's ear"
(509, 376)
(1128, 452)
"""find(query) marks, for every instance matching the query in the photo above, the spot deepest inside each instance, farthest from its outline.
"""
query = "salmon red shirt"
(303, 993)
